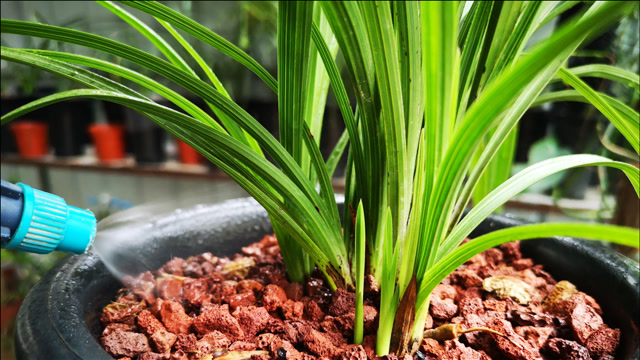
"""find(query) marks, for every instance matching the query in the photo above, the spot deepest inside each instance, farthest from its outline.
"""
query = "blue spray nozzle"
(39, 222)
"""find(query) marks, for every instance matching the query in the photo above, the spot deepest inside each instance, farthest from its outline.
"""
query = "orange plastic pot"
(187, 154)
(32, 138)
(108, 140)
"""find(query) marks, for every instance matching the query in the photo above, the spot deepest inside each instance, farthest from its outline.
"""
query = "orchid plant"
(439, 90)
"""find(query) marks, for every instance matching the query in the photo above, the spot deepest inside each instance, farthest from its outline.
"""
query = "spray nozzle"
(38, 222)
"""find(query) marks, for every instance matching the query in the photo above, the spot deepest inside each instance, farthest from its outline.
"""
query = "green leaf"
(359, 275)
(519, 183)
(605, 72)
(180, 21)
(615, 234)
(630, 128)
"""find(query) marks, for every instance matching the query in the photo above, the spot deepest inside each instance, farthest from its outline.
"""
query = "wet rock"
(249, 285)
(142, 285)
(241, 300)
(196, 291)
(369, 345)
(511, 345)
(122, 312)
(174, 317)
(296, 331)
(125, 343)
(216, 340)
(511, 251)
(294, 291)
(537, 336)
(273, 297)
(471, 302)
(170, 288)
(174, 266)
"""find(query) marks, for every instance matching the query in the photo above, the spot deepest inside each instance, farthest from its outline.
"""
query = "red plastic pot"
(108, 140)
(32, 138)
(187, 154)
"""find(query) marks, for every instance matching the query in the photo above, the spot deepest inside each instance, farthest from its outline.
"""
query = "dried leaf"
(508, 286)
(239, 268)
(403, 322)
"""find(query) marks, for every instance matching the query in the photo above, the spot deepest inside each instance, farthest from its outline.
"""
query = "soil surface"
(206, 307)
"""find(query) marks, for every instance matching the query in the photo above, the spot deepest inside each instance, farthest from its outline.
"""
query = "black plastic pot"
(59, 319)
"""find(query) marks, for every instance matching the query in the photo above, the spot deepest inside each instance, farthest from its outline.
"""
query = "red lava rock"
(243, 299)
(471, 302)
(467, 278)
(196, 291)
(508, 347)
(154, 356)
(219, 319)
(148, 323)
(113, 327)
(370, 315)
(313, 312)
(603, 342)
(353, 353)
(216, 340)
(170, 288)
(369, 345)
(251, 319)
(162, 341)
(320, 345)
(584, 322)
(566, 350)
(432, 348)
(179, 355)
(511, 251)
(442, 302)
(521, 264)
(246, 285)
(273, 297)
(495, 305)
(122, 312)
(242, 346)
(296, 331)
(185, 342)
(294, 291)
(174, 318)
(537, 336)
(292, 309)
(309, 322)
(125, 343)
(341, 302)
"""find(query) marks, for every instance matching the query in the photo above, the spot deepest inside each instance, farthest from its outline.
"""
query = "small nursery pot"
(60, 318)
(108, 140)
(31, 138)
(187, 154)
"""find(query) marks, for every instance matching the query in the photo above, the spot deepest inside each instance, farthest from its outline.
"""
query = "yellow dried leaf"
(562, 291)
(239, 268)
